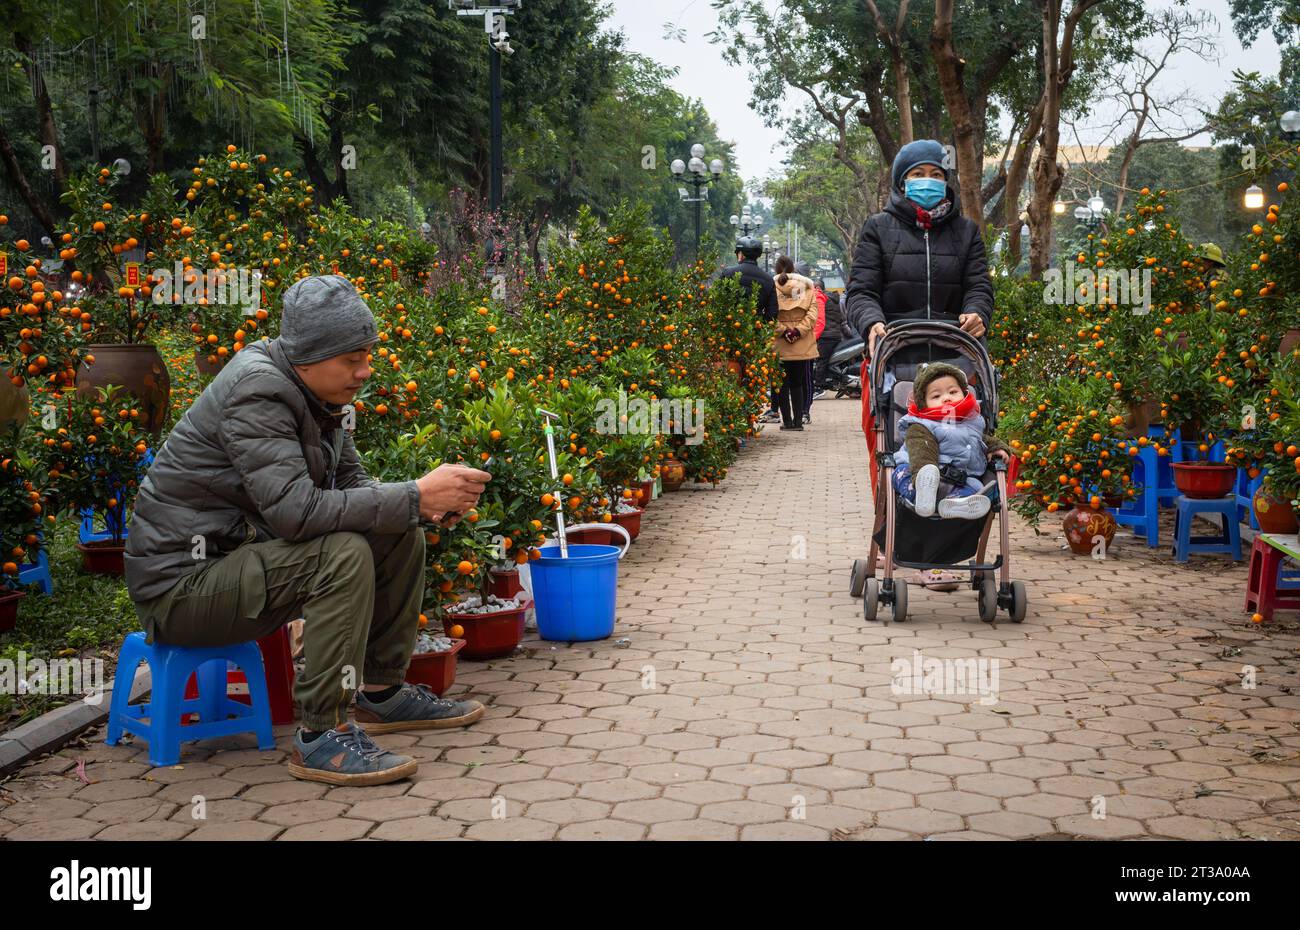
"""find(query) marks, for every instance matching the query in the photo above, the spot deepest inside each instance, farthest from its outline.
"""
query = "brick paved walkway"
(772, 713)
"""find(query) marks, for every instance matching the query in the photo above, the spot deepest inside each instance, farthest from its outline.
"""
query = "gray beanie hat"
(323, 317)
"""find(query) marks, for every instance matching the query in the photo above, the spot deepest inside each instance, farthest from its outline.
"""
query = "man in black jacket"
(748, 249)
(919, 259)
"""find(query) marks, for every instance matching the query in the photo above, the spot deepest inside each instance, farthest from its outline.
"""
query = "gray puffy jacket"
(961, 442)
(247, 464)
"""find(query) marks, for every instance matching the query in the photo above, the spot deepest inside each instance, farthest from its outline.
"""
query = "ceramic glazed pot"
(137, 369)
(1274, 514)
(1083, 525)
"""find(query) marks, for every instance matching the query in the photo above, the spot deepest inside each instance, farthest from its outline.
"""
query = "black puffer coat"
(901, 273)
(754, 278)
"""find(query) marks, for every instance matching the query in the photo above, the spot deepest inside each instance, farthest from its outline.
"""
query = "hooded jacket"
(256, 457)
(902, 271)
(797, 298)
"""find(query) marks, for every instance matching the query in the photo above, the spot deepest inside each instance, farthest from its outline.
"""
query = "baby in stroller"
(945, 447)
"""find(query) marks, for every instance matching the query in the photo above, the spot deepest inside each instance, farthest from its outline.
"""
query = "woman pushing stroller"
(918, 259)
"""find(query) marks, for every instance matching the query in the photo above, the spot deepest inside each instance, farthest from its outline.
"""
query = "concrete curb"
(55, 728)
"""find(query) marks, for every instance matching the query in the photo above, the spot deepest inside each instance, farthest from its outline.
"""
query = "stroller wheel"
(858, 577)
(988, 600)
(900, 601)
(1019, 602)
(870, 599)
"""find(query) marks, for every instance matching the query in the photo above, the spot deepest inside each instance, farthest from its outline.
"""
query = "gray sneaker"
(414, 707)
(347, 756)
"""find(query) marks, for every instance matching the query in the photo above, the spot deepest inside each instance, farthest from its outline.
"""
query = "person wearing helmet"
(748, 250)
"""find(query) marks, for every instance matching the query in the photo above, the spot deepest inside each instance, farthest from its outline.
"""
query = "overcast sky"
(759, 149)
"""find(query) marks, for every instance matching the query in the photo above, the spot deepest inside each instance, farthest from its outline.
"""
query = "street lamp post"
(494, 13)
(746, 222)
(767, 253)
(700, 177)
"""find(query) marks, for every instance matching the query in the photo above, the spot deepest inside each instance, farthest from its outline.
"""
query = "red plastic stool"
(278, 662)
(1269, 585)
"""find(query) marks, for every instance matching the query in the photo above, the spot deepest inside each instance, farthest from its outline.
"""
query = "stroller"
(912, 541)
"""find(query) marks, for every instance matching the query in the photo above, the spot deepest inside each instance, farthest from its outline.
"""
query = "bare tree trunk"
(893, 40)
(1058, 67)
(965, 133)
(46, 128)
(38, 208)
(336, 145)
(1016, 176)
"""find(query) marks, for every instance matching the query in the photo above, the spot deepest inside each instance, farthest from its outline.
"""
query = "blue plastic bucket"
(575, 598)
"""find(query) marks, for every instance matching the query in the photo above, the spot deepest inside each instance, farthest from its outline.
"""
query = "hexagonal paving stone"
(694, 830)
(569, 810)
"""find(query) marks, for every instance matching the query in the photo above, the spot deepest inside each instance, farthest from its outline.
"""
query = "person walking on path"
(796, 345)
(918, 259)
(752, 277)
(257, 511)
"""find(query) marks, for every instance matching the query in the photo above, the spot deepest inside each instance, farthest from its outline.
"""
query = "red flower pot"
(1274, 514)
(9, 609)
(435, 669)
(630, 522)
(102, 557)
(504, 584)
(489, 636)
(645, 491)
(589, 538)
(1204, 480)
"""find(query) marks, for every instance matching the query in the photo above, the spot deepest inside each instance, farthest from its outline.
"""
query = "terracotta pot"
(204, 364)
(672, 473)
(489, 636)
(9, 609)
(1274, 514)
(589, 538)
(736, 368)
(102, 557)
(1204, 480)
(15, 403)
(630, 522)
(1141, 414)
(435, 669)
(504, 584)
(645, 493)
(139, 370)
(1290, 339)
(1083, 525)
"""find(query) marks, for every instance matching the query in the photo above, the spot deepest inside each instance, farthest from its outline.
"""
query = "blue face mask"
(926, 192)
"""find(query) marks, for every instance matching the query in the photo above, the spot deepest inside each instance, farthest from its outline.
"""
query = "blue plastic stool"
(1142, 512)
(1229, 538)
(172, 667)
(37, 572)
(115, 517)
(1245, 491)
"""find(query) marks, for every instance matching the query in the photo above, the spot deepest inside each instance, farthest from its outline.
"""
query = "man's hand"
(450, 489)
(972, 323)
(1000, 454)
(877, 330)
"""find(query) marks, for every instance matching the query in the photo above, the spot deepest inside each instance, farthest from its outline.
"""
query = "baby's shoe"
(925, 484)
(964, 508)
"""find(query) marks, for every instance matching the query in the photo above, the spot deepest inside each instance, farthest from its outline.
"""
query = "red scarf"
(945, 412)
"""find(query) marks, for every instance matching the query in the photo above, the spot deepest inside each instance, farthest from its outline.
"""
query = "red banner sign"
(133, 274)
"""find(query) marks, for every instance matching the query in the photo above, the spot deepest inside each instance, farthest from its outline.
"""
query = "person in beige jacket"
(795, 338)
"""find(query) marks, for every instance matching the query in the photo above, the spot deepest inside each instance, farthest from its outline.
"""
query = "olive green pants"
(359, 597)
